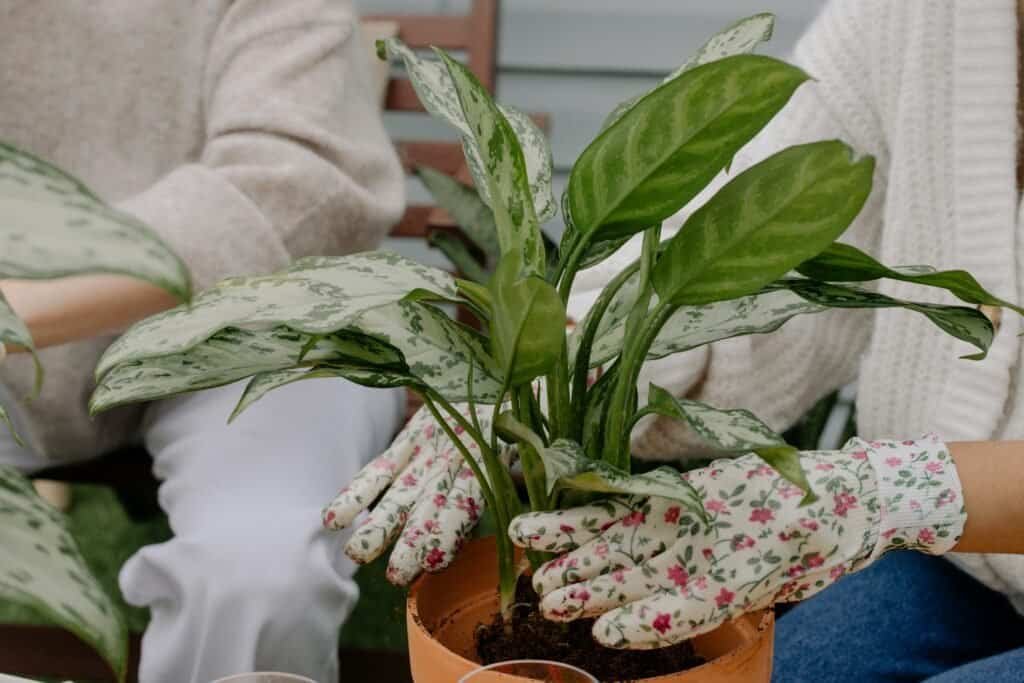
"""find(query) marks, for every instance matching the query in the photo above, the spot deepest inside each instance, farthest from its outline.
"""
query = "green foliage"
(377, 319)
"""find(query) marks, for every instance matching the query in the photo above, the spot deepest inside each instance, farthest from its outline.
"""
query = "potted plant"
(54, 226)
(377, 318)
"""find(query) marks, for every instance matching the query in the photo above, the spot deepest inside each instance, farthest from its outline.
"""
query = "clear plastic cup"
(531, 669)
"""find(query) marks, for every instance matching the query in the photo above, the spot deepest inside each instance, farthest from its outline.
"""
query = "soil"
(534, 637)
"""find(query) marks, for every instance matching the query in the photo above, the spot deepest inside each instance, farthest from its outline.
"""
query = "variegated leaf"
(265, 382)
(502, 168)
(740, 38)
(845, 263)
(763, 223)
(566, 467)
(55, 226)
(733, 431)
(318, 295)
(457, 251)
(694, 326)
(14, 332)
(228, 356)
(437, 350)
(41, 568)
(658, 155)
(433, 85)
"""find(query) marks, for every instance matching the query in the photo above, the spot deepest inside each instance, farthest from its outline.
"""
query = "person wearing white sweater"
(246, 133)
(930, 88)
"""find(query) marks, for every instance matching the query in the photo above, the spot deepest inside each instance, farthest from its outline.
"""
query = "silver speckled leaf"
(41, 568)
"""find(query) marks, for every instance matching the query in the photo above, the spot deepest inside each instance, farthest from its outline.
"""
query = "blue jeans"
(908, 617)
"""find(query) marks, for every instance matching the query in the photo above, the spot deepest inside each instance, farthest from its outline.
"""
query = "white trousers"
(250, 581)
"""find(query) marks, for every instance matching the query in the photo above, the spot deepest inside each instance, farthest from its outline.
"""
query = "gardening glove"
(432, 500)
(657, 574)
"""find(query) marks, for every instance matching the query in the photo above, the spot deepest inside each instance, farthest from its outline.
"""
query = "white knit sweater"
(929, 87)
(245, 132)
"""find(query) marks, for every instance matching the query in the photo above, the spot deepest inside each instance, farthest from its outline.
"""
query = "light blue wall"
(577, 59)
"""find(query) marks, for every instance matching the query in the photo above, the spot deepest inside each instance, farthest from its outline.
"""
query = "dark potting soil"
(534, 637)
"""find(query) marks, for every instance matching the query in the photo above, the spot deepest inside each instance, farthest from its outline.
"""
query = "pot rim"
(763, 625)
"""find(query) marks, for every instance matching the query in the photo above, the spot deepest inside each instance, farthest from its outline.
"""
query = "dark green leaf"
(763, 223)
(458, 253)
(663, 151)
(466, 208)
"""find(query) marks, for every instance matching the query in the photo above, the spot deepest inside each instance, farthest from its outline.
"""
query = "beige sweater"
(930, 88)
(246, 132)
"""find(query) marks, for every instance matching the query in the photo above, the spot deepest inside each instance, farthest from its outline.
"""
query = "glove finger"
(645, 533)
(557, 532)
(454, 522)
(381, 526)
(668, 571)
(404, 563)
(368, 484)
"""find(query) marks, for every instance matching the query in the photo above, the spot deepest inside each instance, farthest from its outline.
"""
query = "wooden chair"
(50, 652)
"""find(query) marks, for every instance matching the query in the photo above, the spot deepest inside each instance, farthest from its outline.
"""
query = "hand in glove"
(657, 575)
(432, 499)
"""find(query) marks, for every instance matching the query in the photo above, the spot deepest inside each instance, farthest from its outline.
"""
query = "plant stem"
(582, 366)
(559, 406)
(502, 515)
(620, 407)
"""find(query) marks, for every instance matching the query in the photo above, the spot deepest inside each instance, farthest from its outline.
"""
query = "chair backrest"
(475, 36)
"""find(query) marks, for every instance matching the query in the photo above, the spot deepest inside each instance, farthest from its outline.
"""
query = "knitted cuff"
(920, 498)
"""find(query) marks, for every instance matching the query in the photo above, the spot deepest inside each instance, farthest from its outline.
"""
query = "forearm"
(992, 475)
(75, 308)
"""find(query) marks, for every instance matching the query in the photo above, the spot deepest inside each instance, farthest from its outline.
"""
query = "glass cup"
(265, 677)
(532, 669)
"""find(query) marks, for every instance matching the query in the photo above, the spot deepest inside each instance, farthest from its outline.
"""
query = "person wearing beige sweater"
(246, 133)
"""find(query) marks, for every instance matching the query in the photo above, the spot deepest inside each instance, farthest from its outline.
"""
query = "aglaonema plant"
(760, 251)
(54, 226)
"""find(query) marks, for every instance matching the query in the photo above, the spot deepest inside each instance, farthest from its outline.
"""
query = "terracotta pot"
(444, 609)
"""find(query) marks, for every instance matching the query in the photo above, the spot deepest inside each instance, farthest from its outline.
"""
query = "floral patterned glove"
(432, 498)
(658, 575)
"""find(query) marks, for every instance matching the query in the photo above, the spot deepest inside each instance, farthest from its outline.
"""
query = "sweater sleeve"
(295, 160)
(779, 376)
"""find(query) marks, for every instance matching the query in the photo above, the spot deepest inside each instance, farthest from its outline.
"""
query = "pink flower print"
(619, 576)
(915, 505)
(581, 594)
(837, 572)
(759, 471)
(383, 465)
(566, 529)
(934, 467)
(795, 571)
(662, 623)
(428, 432)
(465, 473)
(470, 505)
(409, 480)
(701, 583)
(783, 536)
(788, 491)
(742, 541)
(678, 575)
(431, 526)
(859, 455)
(844, 502)
(601, 550)
(435, 557)
(672, 515)
(329, 517)
(716, 505)
(762, 515)
(824, 467)
(724, 597)
(808, 524)
(439, 500)
(888, 533)
(814, 560)
(607, 525)
(947, 496)
(893, 461)
(634, 519)
(926, 536)
(908, 443)
(708, 554)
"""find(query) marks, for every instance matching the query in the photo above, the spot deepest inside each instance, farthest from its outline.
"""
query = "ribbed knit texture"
(246, 132)
(929, 87)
